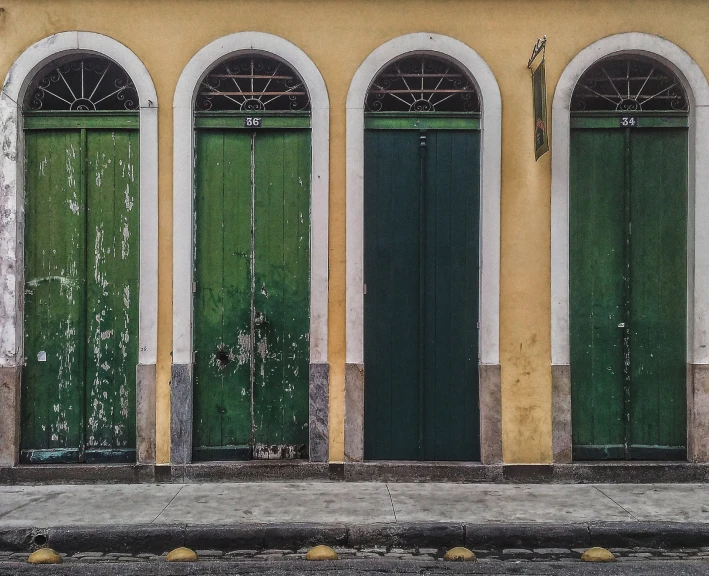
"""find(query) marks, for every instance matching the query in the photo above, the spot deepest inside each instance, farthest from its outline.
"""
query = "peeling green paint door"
(81, 293)
(421, 267)
(628, 288)
(252, 293)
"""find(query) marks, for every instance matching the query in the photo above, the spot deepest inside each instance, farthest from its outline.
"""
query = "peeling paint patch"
(280, 452)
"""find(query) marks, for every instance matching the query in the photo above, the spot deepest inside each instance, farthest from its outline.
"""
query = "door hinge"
(364, 288)
(194, 287)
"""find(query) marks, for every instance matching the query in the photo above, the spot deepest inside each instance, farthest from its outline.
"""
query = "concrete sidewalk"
(290, 515)
(356, 503)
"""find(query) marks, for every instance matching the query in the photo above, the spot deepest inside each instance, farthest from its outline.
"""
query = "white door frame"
(18, 79)
(491, 133)
(697, 90)
(183, 233)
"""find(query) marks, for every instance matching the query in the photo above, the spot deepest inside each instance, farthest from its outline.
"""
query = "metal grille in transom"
(629, 84)
(83, 83)
(422, 83)
(252, 83)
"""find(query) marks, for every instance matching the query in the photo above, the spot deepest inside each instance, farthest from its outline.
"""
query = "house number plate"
(628, 122)
(251, 122)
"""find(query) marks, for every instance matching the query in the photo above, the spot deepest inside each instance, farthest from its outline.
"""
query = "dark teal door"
(421, 265)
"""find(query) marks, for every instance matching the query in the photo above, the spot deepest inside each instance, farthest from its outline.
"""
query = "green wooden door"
(421, 267)
(81, 293)
(252, 294)
(628, 288)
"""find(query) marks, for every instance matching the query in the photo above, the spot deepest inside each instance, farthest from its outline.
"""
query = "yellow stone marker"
(597, 555)
(182, 554)
(321, 553)
(459, 554)
(45, 556)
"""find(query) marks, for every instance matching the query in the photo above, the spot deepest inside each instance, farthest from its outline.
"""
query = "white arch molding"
(697, 90)
(183, 178)
(11, 231)
(491, 125)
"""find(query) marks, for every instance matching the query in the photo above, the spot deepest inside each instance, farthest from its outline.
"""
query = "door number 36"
(251, 122)
(627, 121)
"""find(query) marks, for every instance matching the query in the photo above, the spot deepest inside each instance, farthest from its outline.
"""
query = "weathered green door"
(81, 288)
(628, 286)
(252, 289)
(421, 266)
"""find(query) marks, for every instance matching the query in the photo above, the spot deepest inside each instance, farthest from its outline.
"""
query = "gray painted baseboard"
(181, 414)
(354, 412)
(145, 413)
(9, 415)
(319, 412)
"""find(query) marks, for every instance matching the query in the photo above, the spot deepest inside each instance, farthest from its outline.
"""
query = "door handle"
(259, 319)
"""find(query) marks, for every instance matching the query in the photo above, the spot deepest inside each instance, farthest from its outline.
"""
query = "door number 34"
(628, 121)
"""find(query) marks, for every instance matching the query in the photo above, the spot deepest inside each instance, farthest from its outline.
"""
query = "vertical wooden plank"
(296, 259)
(125, 280)
(468, 298)
(658, 306)
(596, 235)
(402, 234)
(452, 265)
(269, 293)
(113, 269)
(209, 408)
(391, 341)
(100, 325)
(53, 378)
(438, 275)
(377, 318)
(236, 286)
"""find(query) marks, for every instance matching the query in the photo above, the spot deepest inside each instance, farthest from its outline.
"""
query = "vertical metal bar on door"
(627, 229)
(252, 336)
(83, 155)
(422, 291)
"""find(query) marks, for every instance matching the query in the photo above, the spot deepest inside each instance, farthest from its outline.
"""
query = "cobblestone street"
(510, 555)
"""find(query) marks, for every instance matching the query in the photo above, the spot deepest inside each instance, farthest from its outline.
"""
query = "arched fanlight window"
(85, 83)
(629, 84)
(422, 83)
(252, 83)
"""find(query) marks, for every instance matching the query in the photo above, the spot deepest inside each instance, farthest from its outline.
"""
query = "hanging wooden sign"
(539, 98)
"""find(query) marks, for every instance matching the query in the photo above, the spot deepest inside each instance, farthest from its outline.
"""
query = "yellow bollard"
(597, 554)
(459, 554)
(182, 554)
(321, 553)
(45, 556)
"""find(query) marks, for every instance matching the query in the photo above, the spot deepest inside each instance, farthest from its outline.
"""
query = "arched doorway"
(81, 263)
(251, 261)
(628, 209)
(421, 261)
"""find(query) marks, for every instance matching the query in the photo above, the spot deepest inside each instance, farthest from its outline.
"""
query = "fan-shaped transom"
(629, 84)
(252, 83)
(81, 83)
(422, 83)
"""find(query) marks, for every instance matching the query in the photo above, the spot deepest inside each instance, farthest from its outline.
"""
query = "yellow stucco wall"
(338, 35)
